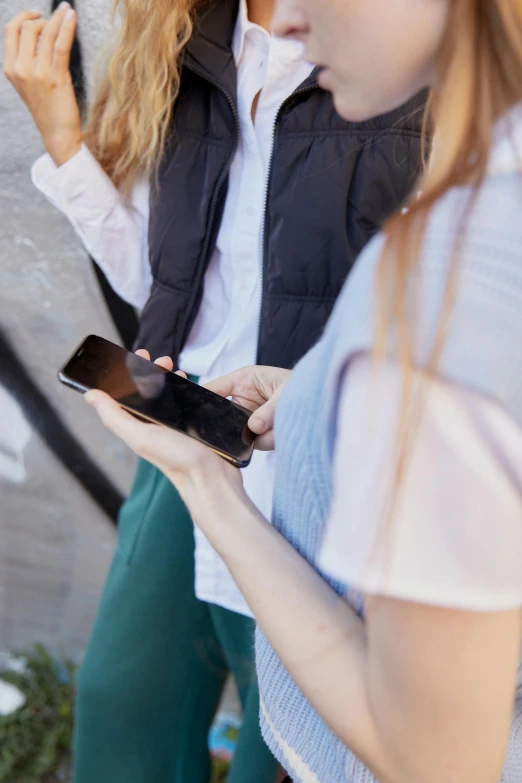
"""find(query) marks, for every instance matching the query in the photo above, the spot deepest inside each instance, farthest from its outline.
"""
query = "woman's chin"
(352, 109)
(357, 108)
(349, 105)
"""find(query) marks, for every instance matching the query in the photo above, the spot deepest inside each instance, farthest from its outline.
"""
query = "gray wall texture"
(55, 541)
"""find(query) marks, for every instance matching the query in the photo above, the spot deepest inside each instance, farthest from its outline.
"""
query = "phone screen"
(162, 396)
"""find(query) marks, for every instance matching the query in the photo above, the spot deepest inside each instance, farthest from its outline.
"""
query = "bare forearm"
(379, 695)
(318, 637)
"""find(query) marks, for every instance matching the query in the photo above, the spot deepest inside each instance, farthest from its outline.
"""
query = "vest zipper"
(221, 182)
(264, 232)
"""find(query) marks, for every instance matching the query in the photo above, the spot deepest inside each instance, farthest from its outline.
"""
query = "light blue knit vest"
(483, 351)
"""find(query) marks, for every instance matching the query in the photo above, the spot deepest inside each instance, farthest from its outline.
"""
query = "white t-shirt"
(455, 537)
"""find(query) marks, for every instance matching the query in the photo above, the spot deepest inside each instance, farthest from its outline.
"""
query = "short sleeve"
(454, 538)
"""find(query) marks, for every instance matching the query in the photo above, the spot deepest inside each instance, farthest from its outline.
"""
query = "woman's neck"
(261, 12)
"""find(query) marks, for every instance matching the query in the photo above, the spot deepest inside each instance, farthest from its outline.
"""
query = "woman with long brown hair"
(388, 591)
(218, 189)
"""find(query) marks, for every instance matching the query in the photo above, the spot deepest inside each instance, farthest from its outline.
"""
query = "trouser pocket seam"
(143, 522)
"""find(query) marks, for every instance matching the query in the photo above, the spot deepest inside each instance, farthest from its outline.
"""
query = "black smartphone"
(162, 397)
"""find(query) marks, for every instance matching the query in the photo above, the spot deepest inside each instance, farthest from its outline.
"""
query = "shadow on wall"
(63, 477)
(22, 407)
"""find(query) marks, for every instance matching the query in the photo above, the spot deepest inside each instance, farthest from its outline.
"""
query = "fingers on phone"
(262, 420)
(165, 362)
(121, 422)
(223, 386)
(265, 442)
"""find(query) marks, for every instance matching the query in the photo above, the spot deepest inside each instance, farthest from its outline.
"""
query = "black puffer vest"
(332, 184)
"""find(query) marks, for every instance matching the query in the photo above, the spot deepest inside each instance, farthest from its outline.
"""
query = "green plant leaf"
(35, 740)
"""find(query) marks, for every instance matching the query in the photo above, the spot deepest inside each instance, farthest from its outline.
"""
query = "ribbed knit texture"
(483, 351)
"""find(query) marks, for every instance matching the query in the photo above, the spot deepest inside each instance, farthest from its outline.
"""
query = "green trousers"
(158, 658)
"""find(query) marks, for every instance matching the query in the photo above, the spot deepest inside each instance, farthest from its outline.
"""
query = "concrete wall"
(55, 540)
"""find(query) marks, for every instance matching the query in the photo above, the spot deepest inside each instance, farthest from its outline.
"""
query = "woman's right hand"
(258, 389)
(36, 62)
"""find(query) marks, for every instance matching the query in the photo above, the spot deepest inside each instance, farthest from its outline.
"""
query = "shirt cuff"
(79, 188)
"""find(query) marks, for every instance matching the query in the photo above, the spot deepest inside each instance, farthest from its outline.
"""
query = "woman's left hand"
(190, 465)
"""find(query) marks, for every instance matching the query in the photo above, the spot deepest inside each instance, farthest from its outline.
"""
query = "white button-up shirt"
(225, 333)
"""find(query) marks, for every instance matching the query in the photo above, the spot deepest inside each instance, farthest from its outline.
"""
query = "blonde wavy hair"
(129, 120)
(479, 77)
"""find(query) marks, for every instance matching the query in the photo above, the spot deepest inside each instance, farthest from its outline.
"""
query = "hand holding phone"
(257, 389)
(159, 396)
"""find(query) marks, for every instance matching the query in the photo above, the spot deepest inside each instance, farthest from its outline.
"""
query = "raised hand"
(36, 62)
(258, 389)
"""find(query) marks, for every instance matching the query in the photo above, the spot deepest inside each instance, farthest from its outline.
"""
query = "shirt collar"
(243, 25)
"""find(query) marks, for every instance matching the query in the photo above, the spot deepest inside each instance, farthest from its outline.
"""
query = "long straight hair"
(479, 77)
